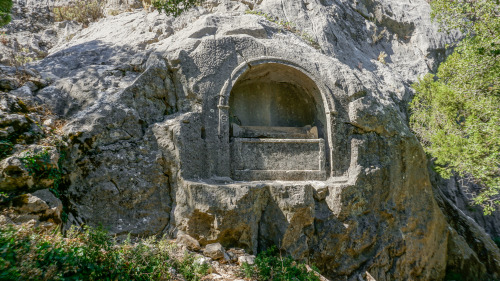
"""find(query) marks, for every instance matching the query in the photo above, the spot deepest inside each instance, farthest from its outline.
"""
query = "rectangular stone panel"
(278, 159)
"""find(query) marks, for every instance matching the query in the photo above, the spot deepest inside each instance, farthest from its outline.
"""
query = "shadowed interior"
(274, 95)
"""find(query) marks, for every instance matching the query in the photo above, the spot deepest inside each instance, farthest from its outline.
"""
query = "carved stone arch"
(295, 79)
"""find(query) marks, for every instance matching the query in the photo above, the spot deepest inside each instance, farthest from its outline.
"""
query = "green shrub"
(28, 253)
(38, 164)
(40, 167)
(5, 7)
(175, 7)
(81, 11)
(270, 265)
(190, 269)
(455, 111)
(91, 254)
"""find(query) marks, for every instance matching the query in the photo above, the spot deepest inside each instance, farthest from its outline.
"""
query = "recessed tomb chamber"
(276, 125)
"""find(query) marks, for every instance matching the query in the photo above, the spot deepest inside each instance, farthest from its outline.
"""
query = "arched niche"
(274, 121)
(273, 98)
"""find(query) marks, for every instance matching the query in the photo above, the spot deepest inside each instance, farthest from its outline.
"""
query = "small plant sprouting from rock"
(377, 37)
(381, 57)
(20, 57)
(288, 26)
(3, 39)
(271, 265)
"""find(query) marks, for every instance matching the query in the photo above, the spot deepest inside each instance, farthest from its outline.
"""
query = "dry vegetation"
(81, 11)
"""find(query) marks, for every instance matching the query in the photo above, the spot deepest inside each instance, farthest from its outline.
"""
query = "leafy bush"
(455, 112)
(270, 265)
(91, 254)
(40, 167)
(81, 11)
(190, 269)
(5, 7)
(175, 7)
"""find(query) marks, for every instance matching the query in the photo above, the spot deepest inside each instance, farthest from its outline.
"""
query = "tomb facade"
(272, 124)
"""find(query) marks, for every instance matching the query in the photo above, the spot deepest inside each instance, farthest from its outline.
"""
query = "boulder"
(214, 251)
(54, 203)
(11, 104)
(9, 83)
(13, 175)
(188, 241)
(41, 205)
(248, 259)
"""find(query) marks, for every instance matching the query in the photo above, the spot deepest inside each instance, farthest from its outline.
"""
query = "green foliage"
(5, 7)
(38, 164)
(288, 26)
(470, 17)
(175, 7)
(81, 11)
(40, 167)
(456, 113)
(91, 254)
(270, 265)
(190, 269)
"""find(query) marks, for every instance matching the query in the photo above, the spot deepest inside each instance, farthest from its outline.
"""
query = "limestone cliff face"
(184, 125)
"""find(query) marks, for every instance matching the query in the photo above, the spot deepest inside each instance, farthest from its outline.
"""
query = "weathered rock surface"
(148, 102)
